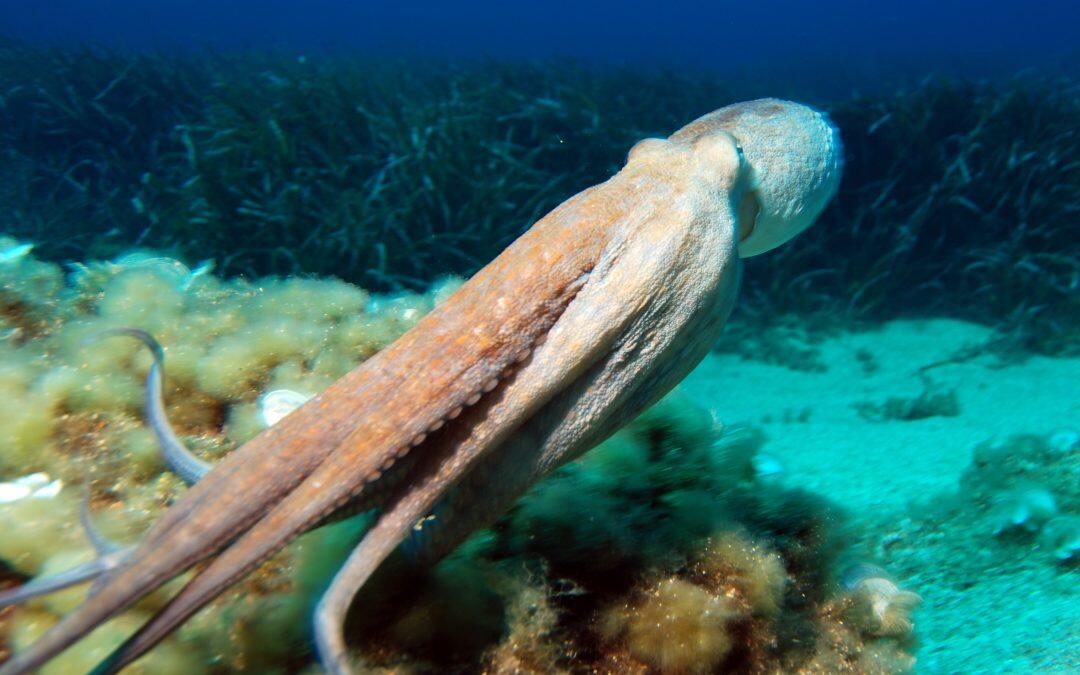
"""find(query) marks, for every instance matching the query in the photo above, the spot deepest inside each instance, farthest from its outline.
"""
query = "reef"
(669, 548)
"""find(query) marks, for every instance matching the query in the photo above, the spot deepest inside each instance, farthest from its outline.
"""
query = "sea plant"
(958, 197)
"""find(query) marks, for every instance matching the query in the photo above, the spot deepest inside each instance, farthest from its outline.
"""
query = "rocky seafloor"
(672, 547)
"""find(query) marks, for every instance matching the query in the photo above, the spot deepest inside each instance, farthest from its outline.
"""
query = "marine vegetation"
(585, 320)
(679, 517)
(393, 176)
(959, 197)
(76, 425)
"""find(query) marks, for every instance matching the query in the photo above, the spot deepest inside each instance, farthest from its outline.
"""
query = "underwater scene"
(528, 338)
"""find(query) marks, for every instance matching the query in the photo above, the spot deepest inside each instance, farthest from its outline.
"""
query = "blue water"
(897, 385)
(981, 38)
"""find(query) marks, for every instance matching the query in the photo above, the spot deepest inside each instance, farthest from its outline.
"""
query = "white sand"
(877, 467)
(883, 464)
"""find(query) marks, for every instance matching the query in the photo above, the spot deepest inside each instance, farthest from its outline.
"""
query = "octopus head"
(793, 159)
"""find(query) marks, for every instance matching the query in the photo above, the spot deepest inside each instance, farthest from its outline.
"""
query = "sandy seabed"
(1021, 612)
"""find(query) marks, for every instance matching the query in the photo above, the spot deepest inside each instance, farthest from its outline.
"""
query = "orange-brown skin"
(590, 316)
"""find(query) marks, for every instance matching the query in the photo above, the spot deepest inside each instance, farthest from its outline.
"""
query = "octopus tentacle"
(87, 571)
(102, 545)
(654, 255)
(178, 458)
(109, 556)
(333, 451)
(314, 501)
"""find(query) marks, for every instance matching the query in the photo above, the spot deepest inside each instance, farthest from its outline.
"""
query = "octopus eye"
(749, 209)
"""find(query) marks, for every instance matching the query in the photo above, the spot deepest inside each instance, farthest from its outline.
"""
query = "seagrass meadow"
(957, 196)
(876, 470)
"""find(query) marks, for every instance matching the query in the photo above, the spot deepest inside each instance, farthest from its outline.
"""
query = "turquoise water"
(873, 468)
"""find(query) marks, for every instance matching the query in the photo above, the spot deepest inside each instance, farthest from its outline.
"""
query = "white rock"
(276, 404)
(31, 486)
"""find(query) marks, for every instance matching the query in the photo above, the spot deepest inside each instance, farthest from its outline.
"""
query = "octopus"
(589, 317)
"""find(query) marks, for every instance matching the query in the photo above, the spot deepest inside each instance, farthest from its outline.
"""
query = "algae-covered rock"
(169, 658)
(36, 527)
(676, 627)
(75, 394)
(667, 527)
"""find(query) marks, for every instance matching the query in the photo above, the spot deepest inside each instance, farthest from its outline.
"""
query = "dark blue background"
(975, 38)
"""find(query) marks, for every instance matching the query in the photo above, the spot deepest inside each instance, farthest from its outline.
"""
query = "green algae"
(958, 197)
(657, 497)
